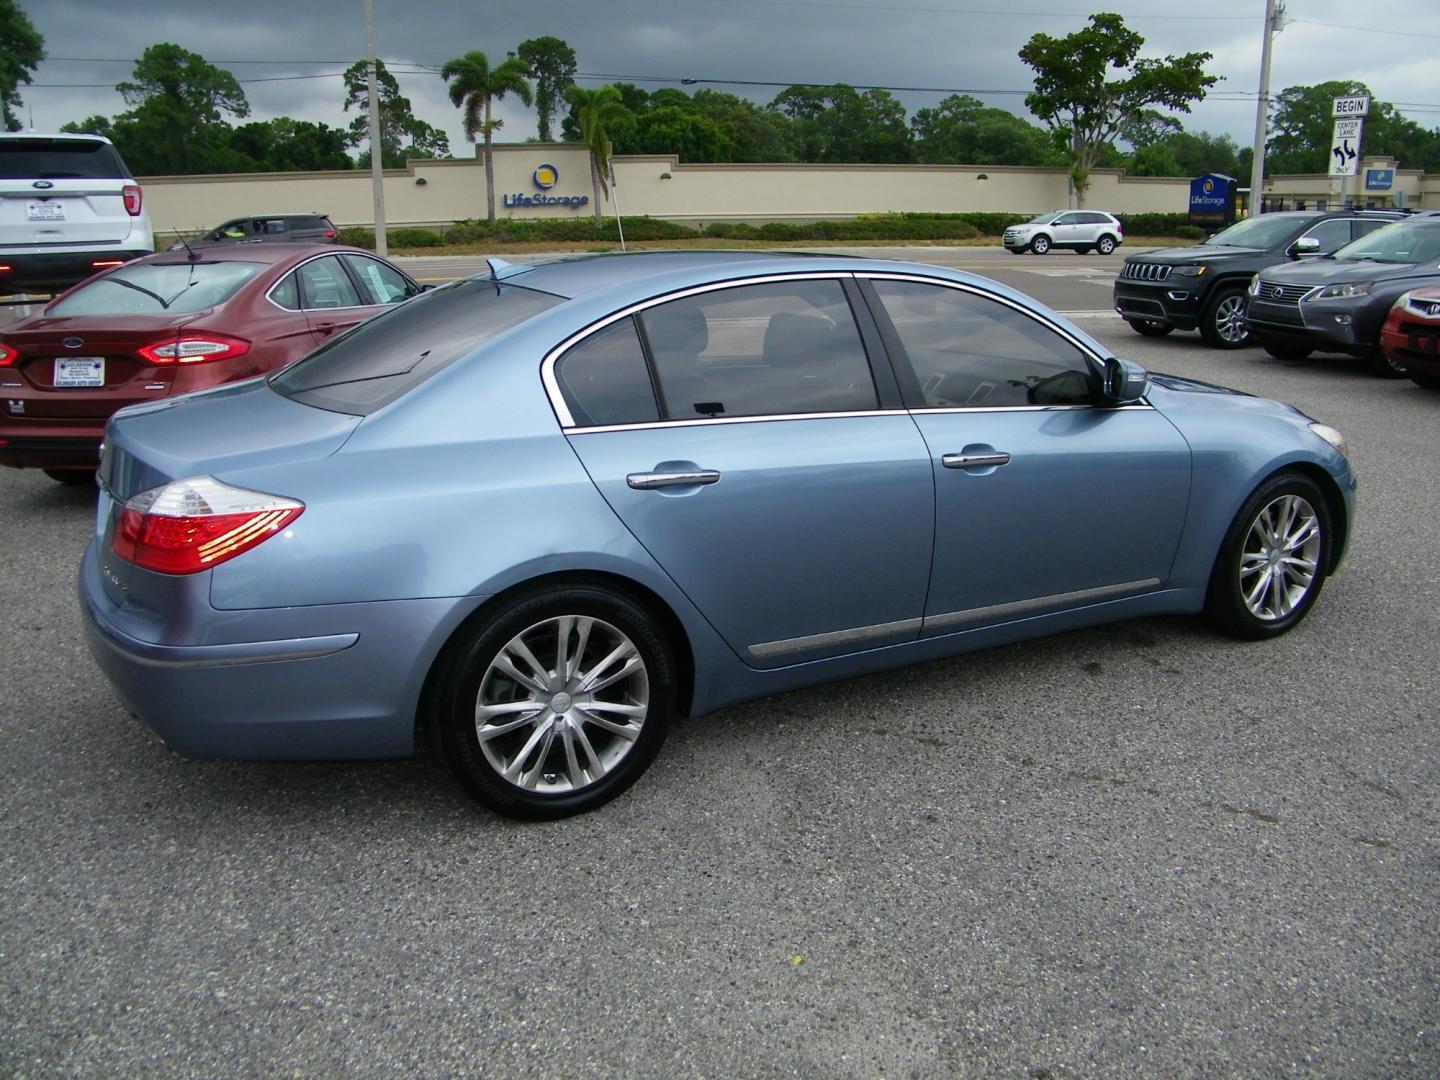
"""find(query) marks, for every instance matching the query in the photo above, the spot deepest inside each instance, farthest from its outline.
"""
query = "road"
(1141, 850)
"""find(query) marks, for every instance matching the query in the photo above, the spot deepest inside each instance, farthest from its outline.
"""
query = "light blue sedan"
(536, 515)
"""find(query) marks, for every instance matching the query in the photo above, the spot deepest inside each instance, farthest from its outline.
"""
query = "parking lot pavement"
(1137, 851)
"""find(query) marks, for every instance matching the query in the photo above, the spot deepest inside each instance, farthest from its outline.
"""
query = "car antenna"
(194, 255)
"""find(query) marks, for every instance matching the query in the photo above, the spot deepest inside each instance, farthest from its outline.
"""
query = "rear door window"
(384, 284)
(324, 284)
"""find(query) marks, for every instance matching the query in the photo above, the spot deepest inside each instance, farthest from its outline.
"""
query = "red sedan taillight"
(191, 525)
(194, 348)
(133, 199)
(7, 355)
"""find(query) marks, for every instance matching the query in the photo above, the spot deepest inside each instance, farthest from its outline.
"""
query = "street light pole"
(1262, 108)
(377, 178)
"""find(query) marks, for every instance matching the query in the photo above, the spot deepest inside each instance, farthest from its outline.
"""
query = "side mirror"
(1125, 381)
(1306, 245)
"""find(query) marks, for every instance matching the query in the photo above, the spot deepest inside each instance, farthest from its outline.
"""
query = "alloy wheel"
(562, 704)
(1230, 319)
(1280, 559)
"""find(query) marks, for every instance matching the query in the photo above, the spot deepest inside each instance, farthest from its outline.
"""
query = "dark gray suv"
(312, 228)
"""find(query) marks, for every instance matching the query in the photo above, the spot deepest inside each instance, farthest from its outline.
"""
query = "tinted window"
(324, 284)
(382, 358)
(966, 349)
(1365, 226)
(59, 159)
(605, 379)
(758, 350)
(1331, 234)
(1264, 231)
(287, 293)
(384, 283)
(1403, 242)
(150, 288)
(1068, 219)
(271, 226)
(1094, 219)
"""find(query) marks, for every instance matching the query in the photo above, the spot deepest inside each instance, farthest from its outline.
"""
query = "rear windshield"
(60, 159)
(158, 288)
(388, 355)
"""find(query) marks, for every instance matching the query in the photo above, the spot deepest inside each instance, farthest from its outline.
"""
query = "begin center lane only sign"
(1345, 147)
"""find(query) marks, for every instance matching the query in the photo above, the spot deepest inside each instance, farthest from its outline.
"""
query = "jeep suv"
(68, 207)
(1203, 287)
(1079, 230)
(266, 228)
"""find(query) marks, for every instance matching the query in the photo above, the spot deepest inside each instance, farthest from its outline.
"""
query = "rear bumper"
(329, 683)
(55, 271)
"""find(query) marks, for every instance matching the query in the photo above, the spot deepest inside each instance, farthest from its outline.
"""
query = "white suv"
(68, 208)
(1079, 230)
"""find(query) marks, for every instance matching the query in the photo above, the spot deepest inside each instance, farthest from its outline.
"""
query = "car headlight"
(1333, 437)
(1192, 271)
(1344, 289)
(1254, 286)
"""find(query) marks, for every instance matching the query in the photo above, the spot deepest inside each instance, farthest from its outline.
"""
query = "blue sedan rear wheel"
(558, 704)
(1272, 564)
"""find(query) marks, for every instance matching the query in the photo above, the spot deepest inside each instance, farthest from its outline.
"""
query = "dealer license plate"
(45, 211)
(79, 371)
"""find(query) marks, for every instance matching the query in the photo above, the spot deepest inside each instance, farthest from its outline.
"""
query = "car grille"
(1138, 271)
(1284, 294)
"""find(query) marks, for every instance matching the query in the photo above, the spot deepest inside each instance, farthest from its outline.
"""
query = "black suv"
(265, 228)
(1203, 287)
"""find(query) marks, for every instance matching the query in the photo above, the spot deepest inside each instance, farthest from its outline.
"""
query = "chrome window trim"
(547, 365)
(326, 255)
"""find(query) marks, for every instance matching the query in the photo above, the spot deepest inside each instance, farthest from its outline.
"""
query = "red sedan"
(166, 325)
(1411, 335)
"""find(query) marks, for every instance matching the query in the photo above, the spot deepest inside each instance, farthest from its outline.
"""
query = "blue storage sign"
(1379, 179)
(1212, 199)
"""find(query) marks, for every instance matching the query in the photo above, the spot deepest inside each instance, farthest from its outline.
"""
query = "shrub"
(413, 238)
(361, 238)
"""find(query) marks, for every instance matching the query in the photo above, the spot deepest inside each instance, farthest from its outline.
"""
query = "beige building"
(549, 180)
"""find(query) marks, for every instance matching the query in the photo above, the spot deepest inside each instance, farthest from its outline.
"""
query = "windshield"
(1264, 231)
(386, 356)
(1402, 242)
(59, 159)
(158, 289)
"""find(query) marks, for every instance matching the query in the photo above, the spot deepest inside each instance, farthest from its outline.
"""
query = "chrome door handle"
(646, 481)
(974, 461)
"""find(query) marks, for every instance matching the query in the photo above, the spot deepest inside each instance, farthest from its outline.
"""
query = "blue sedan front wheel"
(557, 704)
(1272, 564)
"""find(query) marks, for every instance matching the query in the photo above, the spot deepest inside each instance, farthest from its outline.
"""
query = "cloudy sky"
(288, 54)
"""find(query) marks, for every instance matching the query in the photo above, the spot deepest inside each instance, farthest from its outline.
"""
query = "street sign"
(1345, 147)
(1350, 106)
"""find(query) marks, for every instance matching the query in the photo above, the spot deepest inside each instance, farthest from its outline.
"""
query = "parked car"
(164, 325)
(1411, 336)
(1082, 231)
(266, 228)
(1339, 303)
(68, 207)
(1204, 287)
(537, 515)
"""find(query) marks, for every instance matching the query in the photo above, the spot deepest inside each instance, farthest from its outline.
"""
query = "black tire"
(1040, 245)
(1150, 328)
(1105, 245)
(1383, 366)
(1429, 382)
(1226, 604)
(1281, 351)
(471, 671)
(1016, 251)
(1223, 323)
(1082, 250)
(72, 477)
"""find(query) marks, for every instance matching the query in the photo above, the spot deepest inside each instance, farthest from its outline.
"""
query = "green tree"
(402, 134)
(286, 145)
(1084, 107)
(552, 66)
(755, 133)
(1301, 126)
(177, 119)
(960, 130)
(687, 134)
(91, 125)
(594, 112)
(21, 50)
(839, 124)
(1157, 159)
(475, 87)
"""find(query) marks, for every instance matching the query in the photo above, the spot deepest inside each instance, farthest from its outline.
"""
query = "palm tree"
(595, 111)
(476, 85)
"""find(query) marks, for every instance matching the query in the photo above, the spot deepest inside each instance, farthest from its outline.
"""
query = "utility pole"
(377, 178)
(1274, 20)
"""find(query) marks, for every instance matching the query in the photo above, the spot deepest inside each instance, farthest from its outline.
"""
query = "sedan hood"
(1328, 271)
(238, 425)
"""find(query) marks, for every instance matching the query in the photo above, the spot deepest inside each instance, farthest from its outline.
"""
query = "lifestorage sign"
(1212, 199)
(544, 178)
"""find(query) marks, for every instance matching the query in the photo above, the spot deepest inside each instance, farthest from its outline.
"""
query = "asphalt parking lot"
(1136, 851)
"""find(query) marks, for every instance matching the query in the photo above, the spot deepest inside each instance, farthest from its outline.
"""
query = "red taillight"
(7, 355)
(133, 199)
(193, 348)
(1119, 226)
(330, 234)
(5, 268)
(191, 525)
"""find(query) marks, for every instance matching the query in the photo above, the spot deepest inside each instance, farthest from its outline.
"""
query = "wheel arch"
(1334, 503)
(654, 605)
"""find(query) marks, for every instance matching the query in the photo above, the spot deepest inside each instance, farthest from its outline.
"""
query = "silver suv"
(68, 208)
(1079, 230)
